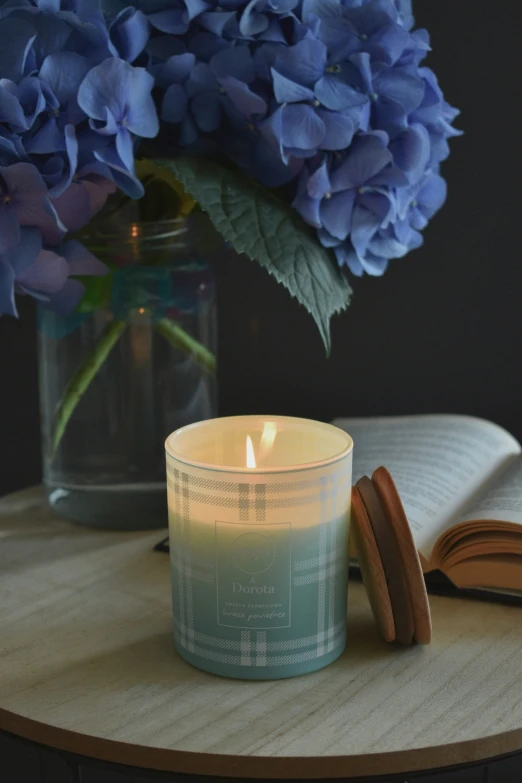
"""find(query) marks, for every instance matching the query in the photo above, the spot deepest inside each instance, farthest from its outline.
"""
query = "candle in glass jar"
(258, 524)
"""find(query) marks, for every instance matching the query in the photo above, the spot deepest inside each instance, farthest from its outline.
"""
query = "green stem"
(80, 381)
(180, 339)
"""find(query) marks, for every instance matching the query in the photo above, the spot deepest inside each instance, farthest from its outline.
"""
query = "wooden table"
(89, 672)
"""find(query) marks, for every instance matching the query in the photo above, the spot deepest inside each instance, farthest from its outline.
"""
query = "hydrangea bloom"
(71, 111)
(326, 97)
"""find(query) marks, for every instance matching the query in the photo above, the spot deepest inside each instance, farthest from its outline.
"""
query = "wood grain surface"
(87, 665)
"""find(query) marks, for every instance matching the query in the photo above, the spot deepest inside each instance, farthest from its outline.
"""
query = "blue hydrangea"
(72, 110)
(328, 98)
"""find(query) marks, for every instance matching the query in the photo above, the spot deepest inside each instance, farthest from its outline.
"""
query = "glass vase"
(116, 379)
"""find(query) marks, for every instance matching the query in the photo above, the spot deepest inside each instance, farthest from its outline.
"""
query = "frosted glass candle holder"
(259, 512)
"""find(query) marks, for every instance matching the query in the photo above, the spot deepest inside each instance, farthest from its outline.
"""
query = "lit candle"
(258, 520)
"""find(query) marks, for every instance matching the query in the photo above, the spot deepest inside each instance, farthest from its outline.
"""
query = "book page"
(437, 462)
(502, 500)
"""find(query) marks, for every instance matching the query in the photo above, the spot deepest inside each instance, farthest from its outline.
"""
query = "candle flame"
(250, 456)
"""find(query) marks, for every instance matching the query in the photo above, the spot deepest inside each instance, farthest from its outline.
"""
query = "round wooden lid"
(370, 563)
(389, 561)
(394, 510)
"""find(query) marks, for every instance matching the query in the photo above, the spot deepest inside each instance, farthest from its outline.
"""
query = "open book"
(460, 480)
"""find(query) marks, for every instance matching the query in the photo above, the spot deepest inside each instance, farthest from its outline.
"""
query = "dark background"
(440, 332)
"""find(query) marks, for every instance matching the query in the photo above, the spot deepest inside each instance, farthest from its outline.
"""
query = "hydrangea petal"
(48, 139)
(22, 256)
(389, 116)
(70, 162)
(322, 9)
(405, 10)
(253, 22)
(196, 7)
(389, 43)
(73, 207)
(373, 265)
(389, 177)
(11, 112)
(336, 214)
(326, 239)
(416, 240)
(388, 247)
(63, 72)
(371, 16)
(303, 63)
(359, 72)
(201, 80)
(401, 87)
(246, 102)
(318, 184)
(173, 21)
(365, 225)
(141, 117)
(129, 33)
(32, 98)
(301, 127)
(336, 95)
(272, 130)
(432, 194)
(339, 130)
(216, 21)
(47, 274)
(365, 158)
(174, 105)
(83, 199)
(65, 301)
(29, 200)
(340, 36)
(287, 91)
(161, 48)
(381, 204)
(411, 152)
(124, 179)
(105, 88)
(178, 68)
(346, 256)
(206, 109)
(402, 230)
(308, 208)
(274, 32)
(81, 261)
(125, 149)
(236, 62)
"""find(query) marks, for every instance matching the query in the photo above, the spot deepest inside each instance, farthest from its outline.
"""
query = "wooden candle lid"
(372, 571)
(389, 561)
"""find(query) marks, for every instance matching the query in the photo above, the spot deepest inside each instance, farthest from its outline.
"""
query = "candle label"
(253, 572)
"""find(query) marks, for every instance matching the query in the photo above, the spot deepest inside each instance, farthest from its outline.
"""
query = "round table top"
(87, 664)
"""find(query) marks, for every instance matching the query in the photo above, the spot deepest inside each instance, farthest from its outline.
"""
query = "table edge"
(262, 767)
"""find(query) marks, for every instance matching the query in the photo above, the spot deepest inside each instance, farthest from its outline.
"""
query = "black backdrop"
(441, 331)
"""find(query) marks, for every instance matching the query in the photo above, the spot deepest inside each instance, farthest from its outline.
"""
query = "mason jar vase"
(133, 363)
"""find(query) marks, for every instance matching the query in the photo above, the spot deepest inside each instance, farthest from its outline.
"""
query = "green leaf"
(269, 231)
